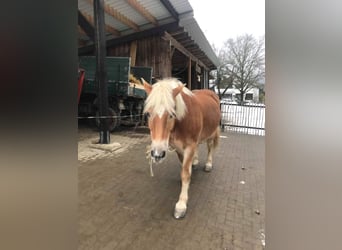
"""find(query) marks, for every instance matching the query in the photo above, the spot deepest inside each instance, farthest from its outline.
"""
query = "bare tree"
(242, 63)
(222, 79)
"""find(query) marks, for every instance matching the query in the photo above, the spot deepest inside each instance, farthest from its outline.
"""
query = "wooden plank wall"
(122, 50)
(150, 52)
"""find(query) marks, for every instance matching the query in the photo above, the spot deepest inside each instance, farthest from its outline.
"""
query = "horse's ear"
(177, 90)
(147, 86)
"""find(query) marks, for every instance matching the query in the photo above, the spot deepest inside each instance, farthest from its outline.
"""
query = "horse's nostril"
(158, 154)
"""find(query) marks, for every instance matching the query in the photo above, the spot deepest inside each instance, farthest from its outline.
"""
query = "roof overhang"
(131, 20)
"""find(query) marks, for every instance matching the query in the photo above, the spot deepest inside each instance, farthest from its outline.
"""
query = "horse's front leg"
(181, 205)
(195, 160)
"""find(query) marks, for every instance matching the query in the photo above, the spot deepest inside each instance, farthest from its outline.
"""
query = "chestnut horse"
(182, 119)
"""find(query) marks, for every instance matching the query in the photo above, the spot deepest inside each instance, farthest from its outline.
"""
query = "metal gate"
(248, 118)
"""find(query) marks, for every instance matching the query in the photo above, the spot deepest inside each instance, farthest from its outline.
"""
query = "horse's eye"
(147, 114)
(171, 116)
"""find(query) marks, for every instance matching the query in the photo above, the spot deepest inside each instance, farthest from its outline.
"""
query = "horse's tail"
(216, 137)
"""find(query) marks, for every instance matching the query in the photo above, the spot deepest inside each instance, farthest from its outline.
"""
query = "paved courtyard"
(122, 207)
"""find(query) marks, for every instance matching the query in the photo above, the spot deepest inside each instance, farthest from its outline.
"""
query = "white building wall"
(235, 92)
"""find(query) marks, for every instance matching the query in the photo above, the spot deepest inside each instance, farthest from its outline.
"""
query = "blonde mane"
(160, 99)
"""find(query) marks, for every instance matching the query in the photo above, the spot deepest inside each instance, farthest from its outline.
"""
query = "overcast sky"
(224, 19)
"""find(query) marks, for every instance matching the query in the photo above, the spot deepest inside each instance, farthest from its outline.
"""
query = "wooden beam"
(133, 52)
(197, 50)
(177, 32)
(143, 11)
(80, 30)
(198, 68)
(170, 9)
(86, 26)
(178, 46)
(81, 42)
(120, 17)
(183, 36)
(187, 43)
(108, 28)
(112, 30)
(156, 31)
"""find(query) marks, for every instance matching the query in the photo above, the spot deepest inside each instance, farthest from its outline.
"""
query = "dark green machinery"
(126, 99)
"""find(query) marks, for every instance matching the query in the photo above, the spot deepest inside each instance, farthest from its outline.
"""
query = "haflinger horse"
(181, 119)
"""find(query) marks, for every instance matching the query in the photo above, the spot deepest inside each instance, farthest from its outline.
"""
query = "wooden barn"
(161, 34)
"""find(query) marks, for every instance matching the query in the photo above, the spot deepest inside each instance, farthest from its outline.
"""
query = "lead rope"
(171, 149)
(151, 167)
(148, 156)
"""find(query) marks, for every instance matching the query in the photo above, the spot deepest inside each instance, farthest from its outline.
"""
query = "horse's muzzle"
(158, 155)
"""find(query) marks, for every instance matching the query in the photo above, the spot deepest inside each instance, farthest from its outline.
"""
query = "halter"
(148, 156)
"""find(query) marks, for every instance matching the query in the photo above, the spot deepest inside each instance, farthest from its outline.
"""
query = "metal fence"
(248, 118)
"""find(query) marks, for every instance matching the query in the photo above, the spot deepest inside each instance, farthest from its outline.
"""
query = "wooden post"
(101, 75)
(133, 52)
(161, 57)
(205, 79)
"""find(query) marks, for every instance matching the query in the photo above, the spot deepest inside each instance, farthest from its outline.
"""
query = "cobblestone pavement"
(122, 207)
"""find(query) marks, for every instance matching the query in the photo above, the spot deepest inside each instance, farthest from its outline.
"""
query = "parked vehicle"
(126, 94)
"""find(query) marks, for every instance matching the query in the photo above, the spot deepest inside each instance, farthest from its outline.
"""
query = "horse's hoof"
(179, 214)
(180, 211)
(194, 167)
(208, 168)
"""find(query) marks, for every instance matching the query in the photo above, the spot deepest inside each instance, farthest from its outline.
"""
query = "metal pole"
(101, 74)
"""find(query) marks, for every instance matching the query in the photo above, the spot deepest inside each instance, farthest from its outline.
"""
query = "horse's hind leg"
(181, 205)
(209, 164)
(211, 144)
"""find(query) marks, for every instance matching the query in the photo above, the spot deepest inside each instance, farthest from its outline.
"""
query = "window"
(227, 96)
(249, 97)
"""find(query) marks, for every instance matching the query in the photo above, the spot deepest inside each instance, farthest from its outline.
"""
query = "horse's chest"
(176, 142)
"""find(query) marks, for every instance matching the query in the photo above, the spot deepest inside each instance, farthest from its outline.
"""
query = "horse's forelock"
(161, 100)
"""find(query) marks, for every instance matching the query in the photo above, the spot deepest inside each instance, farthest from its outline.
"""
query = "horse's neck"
(191, 118)
(191, 105)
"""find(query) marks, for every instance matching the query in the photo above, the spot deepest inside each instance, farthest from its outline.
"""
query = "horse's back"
(206, 93)
(209, 102)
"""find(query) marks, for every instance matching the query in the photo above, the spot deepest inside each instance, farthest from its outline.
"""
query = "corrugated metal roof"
(156, 9)
(181, 6)
(194, 30)
(133, 11)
